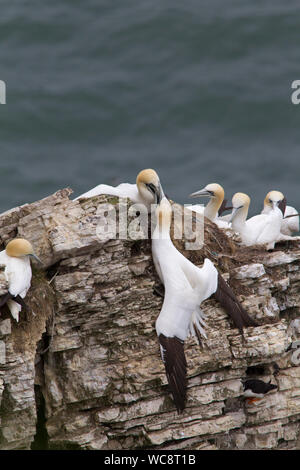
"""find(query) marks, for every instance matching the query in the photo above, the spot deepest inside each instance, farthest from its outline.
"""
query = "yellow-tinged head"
(273, 198)
(147, 177)
(212, 190)
(240, 205)
(149, 186)
(19, 248)
(240, 200)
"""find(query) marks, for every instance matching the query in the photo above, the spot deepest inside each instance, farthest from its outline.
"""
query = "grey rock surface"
(87, 357)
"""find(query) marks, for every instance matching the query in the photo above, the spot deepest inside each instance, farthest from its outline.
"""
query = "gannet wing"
(18, 280)
(196, 208)
(18, 277)
(268, 230)
(222, 223)
(262, 228)
(223, 208)
(4, 298)
(211, 282)
(203, 280)
(232, 306)
(290, 225)
(226, 218)
(123, 190)
(172, 353)
(282, 206)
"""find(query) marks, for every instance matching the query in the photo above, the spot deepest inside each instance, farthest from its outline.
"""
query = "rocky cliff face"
(83, 370)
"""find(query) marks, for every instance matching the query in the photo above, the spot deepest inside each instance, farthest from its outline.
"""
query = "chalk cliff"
(83, 371)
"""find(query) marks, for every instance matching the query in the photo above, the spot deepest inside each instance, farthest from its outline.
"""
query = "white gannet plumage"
(289, 225)
(140, 193)
(186, 287)
(216, 194)
(262, 229)
(16, 259)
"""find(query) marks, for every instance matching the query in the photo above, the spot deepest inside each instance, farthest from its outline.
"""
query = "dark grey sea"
(97, 90)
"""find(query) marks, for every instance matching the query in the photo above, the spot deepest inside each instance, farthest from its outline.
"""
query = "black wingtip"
(175, 364)
(223, 208)
(225, 295)
(21, 302)
(4, 298)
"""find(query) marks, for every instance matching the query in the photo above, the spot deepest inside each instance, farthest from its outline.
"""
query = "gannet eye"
(270, 201)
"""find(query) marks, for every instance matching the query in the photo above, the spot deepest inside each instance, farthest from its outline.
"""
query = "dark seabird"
(256, 389)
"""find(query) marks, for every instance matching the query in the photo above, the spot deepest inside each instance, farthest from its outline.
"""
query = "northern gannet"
(16, 259)
(260, 229)
(255, 389)
(290, 221)
(143, 192)
(216, 194)
(186, 287)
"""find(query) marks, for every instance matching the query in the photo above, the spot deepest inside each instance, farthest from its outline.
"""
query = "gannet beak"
(157, 191)
(234, 211)
(36, 258)
(202, 192)
(159, 194)
(279, 205)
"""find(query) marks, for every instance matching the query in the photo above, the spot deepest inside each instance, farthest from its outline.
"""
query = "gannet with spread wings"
(186, 287)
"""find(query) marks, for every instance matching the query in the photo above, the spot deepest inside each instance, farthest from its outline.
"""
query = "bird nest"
(221, 246)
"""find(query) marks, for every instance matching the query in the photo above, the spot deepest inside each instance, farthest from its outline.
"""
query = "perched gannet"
(290, 221)
(260, 229)
(216, 194)
(16, 258)
(255, 389)
(186, 287)
(143, 192)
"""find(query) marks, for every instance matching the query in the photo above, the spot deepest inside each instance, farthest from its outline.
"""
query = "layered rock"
(84, 369)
